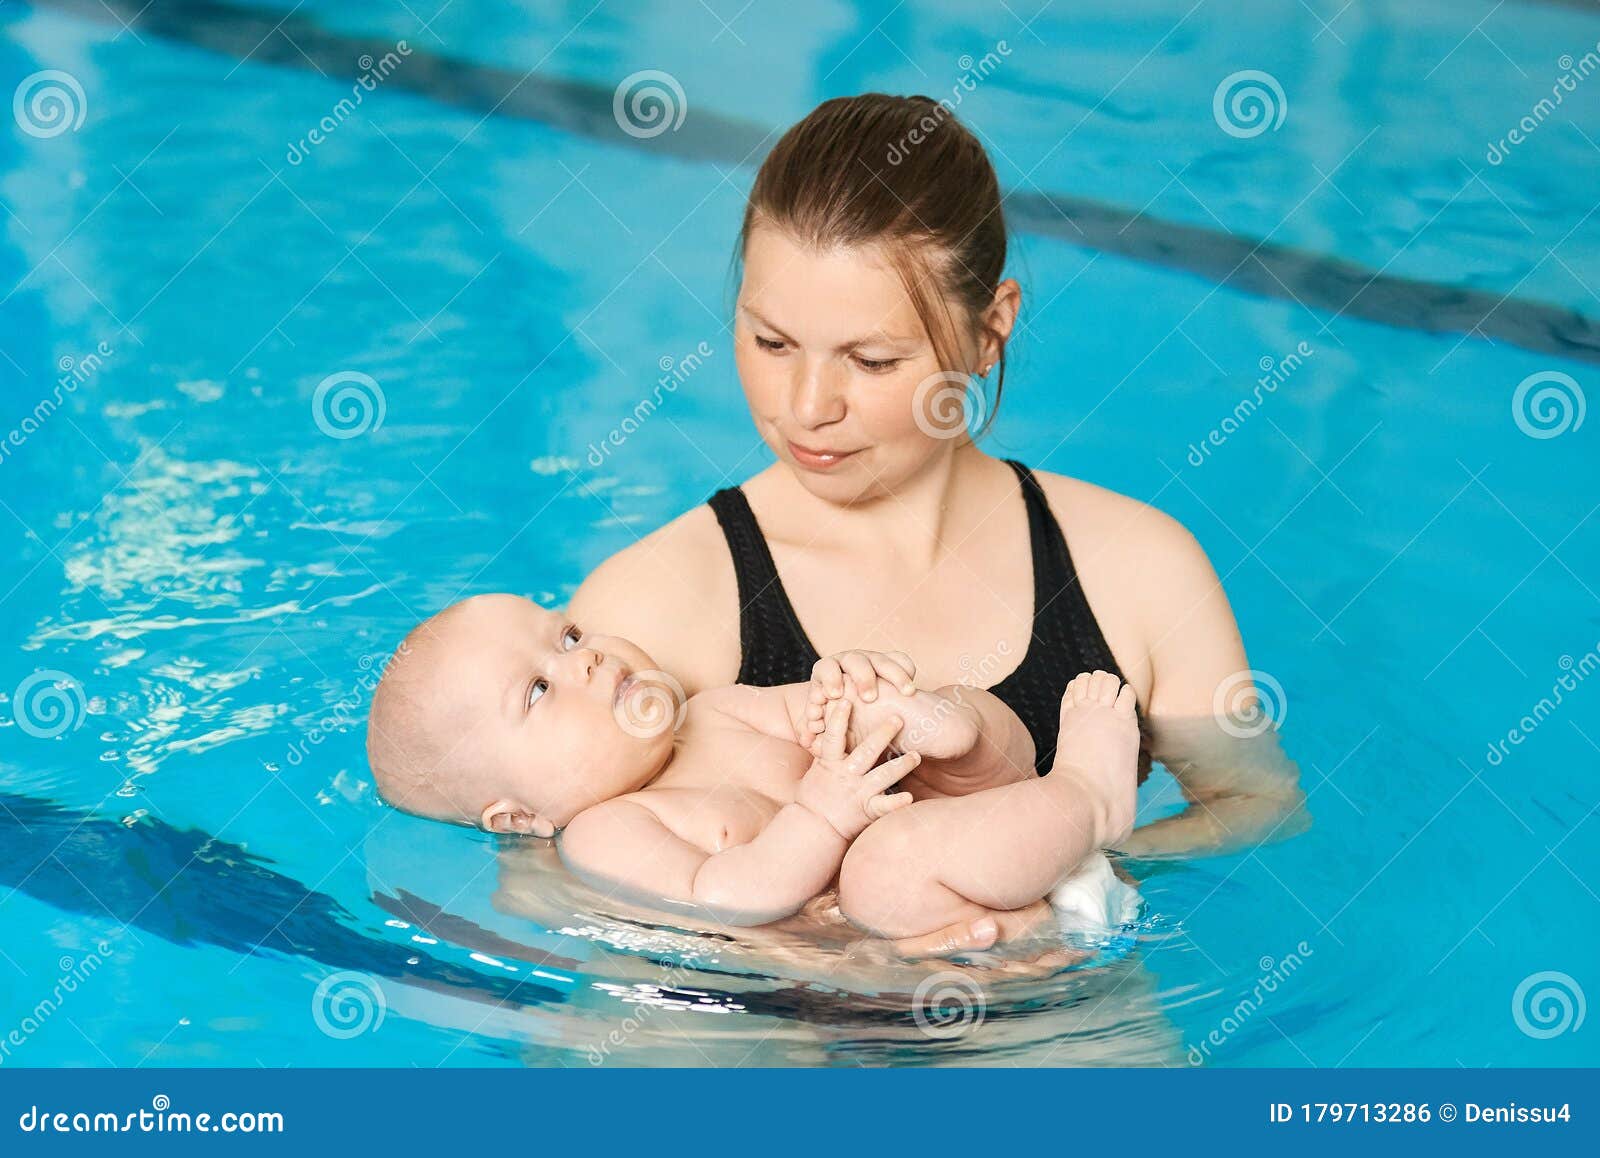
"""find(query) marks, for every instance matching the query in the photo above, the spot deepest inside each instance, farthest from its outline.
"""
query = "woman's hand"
(858, 673)
(979, 934)
(847, 791)
(964, 937)
(863, 670)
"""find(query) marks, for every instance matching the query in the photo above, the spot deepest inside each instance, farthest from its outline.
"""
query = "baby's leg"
(944, 860)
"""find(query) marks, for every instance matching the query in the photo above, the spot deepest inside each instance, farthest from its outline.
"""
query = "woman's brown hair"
(901, 173)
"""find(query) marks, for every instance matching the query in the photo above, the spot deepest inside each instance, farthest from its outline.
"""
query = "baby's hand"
(848, 791)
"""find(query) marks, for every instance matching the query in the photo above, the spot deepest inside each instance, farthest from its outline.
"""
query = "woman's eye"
(537, 689)
(772, 344)
(877, 365)
(571, 637)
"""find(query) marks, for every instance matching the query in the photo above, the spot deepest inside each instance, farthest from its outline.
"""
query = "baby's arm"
(623, 845)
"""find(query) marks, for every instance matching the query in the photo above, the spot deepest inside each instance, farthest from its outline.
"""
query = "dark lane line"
(1320, 282)
(188, 887)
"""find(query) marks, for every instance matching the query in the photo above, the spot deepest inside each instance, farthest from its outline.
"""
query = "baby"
(746, 802)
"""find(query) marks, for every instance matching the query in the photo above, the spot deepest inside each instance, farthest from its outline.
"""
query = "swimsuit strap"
(1066, 636)
(774, 648)
(1058, 599)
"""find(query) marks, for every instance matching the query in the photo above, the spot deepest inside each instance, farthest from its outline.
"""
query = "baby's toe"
(1078, 689)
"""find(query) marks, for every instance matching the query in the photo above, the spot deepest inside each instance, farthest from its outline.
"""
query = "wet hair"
(903, 174)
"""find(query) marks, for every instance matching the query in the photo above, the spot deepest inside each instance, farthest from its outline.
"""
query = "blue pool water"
(198, 575)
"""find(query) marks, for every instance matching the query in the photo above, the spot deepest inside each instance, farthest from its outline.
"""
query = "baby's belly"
(716, 819)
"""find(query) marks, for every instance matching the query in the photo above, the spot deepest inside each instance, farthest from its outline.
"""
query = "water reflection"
(1239, 786)
(660, 989)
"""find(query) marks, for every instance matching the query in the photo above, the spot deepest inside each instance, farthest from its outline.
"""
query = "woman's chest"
(964, 620)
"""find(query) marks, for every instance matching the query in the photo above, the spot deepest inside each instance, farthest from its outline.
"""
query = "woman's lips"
(816, 458)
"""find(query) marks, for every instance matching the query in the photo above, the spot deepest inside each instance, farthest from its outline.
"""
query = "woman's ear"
(998, 322)
(507, 818)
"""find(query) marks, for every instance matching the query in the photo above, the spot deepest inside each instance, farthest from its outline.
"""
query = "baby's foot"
(936, 726)
(1099, 744)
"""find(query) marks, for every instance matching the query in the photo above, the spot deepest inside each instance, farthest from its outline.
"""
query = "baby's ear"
(505, 817)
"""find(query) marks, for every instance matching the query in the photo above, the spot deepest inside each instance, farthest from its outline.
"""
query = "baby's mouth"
(624, 686)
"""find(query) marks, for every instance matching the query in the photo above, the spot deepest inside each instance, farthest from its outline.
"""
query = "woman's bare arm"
(1204, 713)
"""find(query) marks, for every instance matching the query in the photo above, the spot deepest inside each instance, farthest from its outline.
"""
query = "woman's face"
(838, 370)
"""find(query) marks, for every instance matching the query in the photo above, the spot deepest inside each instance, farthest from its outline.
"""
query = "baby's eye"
(537, 689)
(571, 637)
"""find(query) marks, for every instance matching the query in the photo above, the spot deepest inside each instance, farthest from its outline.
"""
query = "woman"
(870, 290)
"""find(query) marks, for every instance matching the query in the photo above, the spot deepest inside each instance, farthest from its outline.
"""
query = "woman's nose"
(818, 396)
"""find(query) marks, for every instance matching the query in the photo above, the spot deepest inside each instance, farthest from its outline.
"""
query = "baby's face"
(545, 714)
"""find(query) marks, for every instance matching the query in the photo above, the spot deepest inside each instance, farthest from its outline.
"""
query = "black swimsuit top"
(1065, 640)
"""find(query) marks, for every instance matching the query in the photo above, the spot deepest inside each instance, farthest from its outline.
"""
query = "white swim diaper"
(1093, 899)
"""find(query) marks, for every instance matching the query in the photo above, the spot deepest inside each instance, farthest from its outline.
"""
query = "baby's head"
(501, 714)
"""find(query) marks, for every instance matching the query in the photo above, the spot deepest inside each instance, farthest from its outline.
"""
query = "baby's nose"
(587, 659)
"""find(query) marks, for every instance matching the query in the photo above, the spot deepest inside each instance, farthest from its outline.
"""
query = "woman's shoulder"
(689, 548)
(1129, 551)
(674, 593)
(1110, 520)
